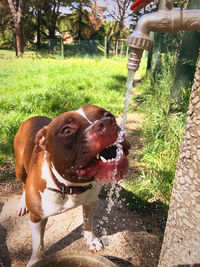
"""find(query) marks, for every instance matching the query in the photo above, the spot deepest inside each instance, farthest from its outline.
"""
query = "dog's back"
(24, 143)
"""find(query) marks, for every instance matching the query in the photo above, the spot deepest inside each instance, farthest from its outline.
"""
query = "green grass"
(162, 133)
(46, 86)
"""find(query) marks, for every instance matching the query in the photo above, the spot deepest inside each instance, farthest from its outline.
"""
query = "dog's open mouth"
(108, 154)
(102, 166)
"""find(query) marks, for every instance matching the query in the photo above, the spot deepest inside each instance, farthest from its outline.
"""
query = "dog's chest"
(52, 202)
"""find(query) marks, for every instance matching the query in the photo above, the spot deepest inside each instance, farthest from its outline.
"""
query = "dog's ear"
(40, 140)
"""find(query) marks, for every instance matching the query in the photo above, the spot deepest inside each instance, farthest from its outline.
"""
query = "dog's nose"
(104, 124)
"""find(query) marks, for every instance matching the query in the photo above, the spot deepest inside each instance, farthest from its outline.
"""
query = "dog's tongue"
(103, 171)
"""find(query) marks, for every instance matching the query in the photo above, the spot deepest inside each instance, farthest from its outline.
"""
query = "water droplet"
(104, 232)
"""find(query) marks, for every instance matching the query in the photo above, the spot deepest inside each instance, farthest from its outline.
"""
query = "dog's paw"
(94, 243)
(22, 209)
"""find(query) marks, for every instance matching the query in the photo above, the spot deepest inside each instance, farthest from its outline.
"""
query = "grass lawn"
(45, 86)
(32, 86)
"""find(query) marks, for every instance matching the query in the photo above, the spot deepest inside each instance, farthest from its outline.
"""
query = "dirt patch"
(133, 238)
(129, 236)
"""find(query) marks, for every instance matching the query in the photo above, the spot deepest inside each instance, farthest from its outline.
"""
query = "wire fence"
(58, 48)
(85, 47)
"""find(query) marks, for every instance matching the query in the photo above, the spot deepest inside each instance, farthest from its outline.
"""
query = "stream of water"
(114, 190)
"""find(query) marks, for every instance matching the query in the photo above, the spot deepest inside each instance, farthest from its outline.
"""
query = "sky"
(66, 10)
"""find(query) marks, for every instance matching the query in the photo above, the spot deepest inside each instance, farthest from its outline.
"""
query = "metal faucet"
(167, 19)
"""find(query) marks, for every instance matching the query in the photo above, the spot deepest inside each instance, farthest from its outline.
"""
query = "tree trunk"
(38, 28)
(18, 20)
(110, 35)
(181, 245)
(80, 10)
(19, 37)
(185, 67)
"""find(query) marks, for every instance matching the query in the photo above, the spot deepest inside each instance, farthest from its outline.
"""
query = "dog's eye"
(109, 115)
(66, 130)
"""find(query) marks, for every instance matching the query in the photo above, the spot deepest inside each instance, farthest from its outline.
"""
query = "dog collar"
(67, 190)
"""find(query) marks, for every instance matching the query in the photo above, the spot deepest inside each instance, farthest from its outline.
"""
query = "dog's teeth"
(97, 156)
(103, 159)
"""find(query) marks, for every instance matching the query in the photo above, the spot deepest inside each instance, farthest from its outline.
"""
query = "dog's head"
(81, 145)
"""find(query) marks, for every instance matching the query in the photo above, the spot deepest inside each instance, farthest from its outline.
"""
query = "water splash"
(114, 190)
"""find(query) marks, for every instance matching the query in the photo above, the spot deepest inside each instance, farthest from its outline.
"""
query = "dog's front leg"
(93, 242)
(37, 230)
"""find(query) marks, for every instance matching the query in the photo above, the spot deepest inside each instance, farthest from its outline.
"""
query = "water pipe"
(167, 19)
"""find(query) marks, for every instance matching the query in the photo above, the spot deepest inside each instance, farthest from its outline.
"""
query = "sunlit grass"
(32, 86)
(162, 133)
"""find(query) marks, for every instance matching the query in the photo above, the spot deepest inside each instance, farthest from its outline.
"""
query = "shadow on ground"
(4, 253)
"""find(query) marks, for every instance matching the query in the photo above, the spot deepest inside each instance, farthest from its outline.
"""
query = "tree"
(96, 17)
(17, 11)
(84, 21)
(50, 15)
(6, 35)
(182, 234)
(186, 62)
(36, 7)
(119, 13)
(79, 19)
(47, 14)
(117, 10)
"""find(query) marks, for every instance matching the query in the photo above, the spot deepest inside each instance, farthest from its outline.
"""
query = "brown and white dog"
(62, 164)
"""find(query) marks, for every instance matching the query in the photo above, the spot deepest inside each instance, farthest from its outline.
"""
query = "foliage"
(84, 20)
(181, 3)
(33, 86)
(46, 14)
(6, 35)
(162, 132)
(118, 13)
(171, 42)
(79, 29)
(96, 16)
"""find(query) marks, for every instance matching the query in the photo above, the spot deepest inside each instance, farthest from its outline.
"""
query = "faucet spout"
(166, 20)
(171, 21)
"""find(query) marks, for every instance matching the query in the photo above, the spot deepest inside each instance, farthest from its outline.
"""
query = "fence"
(85, 47)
